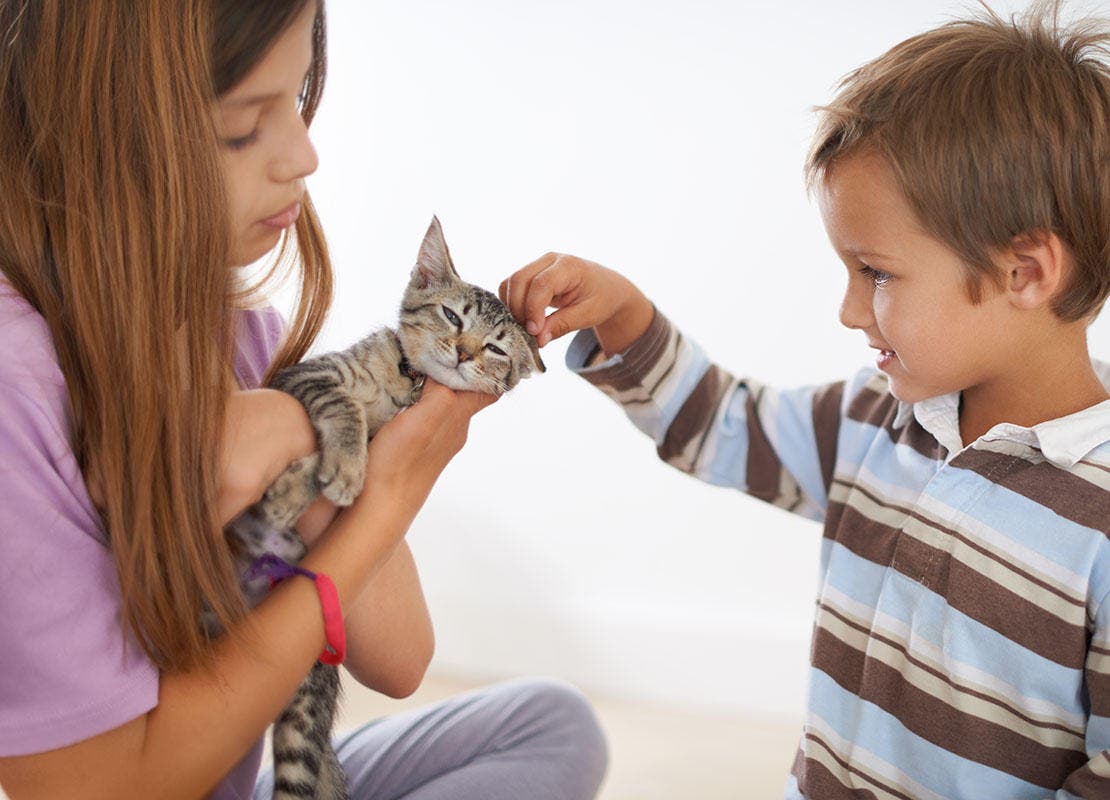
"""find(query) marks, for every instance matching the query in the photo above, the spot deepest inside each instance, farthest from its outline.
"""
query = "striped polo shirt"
(961, 643)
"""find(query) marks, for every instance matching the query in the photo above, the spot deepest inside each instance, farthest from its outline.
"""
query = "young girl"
(146, 149)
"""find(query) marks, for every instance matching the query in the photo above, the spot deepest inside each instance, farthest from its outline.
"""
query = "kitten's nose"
(464, 354)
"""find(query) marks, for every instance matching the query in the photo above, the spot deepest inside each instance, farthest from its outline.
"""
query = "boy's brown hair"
(995, 129)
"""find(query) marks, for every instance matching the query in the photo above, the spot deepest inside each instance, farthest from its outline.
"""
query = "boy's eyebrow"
(867, 254)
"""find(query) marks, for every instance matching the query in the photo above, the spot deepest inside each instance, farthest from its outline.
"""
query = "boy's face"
(266, 150)
(907, 291)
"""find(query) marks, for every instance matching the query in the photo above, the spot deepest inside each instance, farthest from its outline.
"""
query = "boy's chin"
(906, 392)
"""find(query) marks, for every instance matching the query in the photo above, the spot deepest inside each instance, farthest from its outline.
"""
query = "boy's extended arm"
(779, 446)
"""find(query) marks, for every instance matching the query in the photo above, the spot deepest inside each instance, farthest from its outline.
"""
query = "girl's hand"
(407, 455)
(585, 294)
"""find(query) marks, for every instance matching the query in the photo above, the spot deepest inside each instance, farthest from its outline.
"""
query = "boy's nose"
(855, 309)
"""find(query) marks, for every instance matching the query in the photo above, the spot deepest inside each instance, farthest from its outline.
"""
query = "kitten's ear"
(433, 264)
(534, 347)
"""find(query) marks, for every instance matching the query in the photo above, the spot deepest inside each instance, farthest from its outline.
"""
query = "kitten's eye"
(452, 317)
(495, 349)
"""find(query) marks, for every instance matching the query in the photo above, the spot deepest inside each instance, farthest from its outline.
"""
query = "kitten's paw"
(293, 491)
(341, 476)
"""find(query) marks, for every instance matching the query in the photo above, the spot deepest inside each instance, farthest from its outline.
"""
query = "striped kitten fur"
(455, 332)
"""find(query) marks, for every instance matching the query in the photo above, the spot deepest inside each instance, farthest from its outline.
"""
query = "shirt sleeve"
(779, 446)
(68, 669)
(1092, 780)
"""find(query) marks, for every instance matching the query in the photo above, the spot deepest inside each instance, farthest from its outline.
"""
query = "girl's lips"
(284, 218)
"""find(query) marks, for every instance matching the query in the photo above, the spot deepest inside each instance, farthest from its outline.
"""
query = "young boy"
(961, 646)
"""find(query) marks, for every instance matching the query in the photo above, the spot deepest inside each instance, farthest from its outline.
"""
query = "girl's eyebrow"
(260, 99)
(254, 100)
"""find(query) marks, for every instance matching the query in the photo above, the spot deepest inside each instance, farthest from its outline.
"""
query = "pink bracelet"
(278, 569)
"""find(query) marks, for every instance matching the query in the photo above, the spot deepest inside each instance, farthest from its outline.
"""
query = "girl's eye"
(241, 142)
(876, 276)
(495, 349)
(452, 317)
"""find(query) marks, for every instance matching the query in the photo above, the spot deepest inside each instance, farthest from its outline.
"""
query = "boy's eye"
(876, 276)
(495, 349)
(452, 317)
(239, 142)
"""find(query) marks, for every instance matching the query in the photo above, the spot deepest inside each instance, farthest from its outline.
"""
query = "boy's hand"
(585, 294)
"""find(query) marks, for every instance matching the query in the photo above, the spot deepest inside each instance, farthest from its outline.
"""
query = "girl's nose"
(298, 158)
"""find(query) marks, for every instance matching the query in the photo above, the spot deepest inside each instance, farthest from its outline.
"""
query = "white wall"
(662, 138)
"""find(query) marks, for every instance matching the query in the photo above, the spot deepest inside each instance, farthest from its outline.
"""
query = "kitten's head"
(457, 333)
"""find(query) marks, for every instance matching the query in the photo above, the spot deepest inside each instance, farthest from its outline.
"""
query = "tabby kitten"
(457, 333)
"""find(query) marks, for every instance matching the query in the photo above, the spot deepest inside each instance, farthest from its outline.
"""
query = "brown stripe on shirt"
(963, 587)
(1098, 688)
(932, 719)
(865, 537)
(879, 409)
(1058, 490)
(821, 783)
(641, 357)
(873, 408)
(1086, 782)
(764, 468)
(694, 419)
(826, 426)
(999, 702)
(992, 604)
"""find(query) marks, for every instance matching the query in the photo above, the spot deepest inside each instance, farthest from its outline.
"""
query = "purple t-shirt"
(65, 674)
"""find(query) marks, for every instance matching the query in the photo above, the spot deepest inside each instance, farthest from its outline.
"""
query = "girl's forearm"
(390, 640)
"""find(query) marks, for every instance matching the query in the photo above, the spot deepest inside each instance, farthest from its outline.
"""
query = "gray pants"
(519, 740)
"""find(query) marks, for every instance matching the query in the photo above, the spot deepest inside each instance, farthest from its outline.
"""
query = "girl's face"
(266, 149)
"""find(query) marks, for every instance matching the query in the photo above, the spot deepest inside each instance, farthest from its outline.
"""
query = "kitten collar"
(405, 368)
(417, 378)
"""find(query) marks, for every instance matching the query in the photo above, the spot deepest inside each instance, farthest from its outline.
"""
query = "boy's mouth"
(885, 358)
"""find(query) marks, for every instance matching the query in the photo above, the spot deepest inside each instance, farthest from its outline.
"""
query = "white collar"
(1062, 441)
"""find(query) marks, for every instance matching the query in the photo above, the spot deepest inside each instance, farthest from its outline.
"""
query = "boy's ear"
(1038, 268)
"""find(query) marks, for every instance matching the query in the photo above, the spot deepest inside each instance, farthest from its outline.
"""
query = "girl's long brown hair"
(114, 226)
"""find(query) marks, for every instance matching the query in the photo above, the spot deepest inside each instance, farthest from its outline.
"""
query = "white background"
(664, 139)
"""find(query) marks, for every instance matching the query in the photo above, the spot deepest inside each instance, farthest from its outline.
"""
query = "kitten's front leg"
(341, 429)
(292, 493)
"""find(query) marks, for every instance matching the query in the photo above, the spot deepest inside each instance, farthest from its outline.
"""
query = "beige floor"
(655, 753)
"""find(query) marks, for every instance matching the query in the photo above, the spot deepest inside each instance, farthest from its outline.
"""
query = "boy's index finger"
(542, 289)
(514, 287)
(517, 286)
